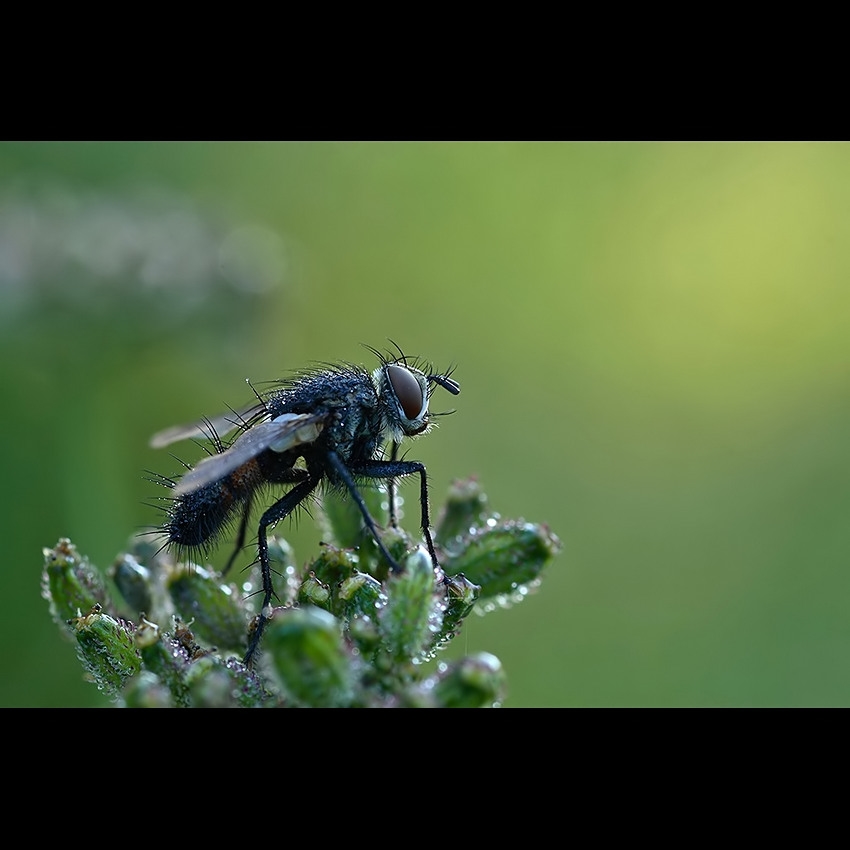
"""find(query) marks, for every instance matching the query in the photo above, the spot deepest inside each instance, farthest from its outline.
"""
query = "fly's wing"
(280, 434)
(207, 428)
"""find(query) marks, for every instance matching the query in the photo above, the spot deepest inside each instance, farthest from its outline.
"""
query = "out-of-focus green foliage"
(651, 341)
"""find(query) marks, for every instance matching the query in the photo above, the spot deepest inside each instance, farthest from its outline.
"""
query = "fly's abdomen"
(196, 519)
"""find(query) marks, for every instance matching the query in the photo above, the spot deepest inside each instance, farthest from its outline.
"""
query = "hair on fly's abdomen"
(196, 521)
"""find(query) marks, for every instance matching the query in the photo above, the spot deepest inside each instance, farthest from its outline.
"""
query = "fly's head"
(405, 391)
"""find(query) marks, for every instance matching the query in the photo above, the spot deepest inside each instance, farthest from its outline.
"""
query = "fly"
(331, 425)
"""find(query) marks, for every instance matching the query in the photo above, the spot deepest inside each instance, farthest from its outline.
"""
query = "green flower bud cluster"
(347, 632)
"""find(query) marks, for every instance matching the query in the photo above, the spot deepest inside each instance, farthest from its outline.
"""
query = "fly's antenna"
(446, 381)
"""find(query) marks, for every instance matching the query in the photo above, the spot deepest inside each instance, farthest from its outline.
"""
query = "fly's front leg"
(344, 474)
(391, 469)
(391, 489)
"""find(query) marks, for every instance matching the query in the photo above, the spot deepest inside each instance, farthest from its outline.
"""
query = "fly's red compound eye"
(407, 391)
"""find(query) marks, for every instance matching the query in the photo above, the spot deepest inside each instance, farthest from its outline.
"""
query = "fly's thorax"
(354, 431)
(403, 392)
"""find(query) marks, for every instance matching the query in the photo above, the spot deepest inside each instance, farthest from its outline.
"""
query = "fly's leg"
(343, 472)
(240, 537)
(391, 490)
(280, 509)
(390, 470)
(288, 477)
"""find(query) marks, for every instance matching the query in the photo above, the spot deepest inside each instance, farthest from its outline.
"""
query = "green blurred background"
(653, 343)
